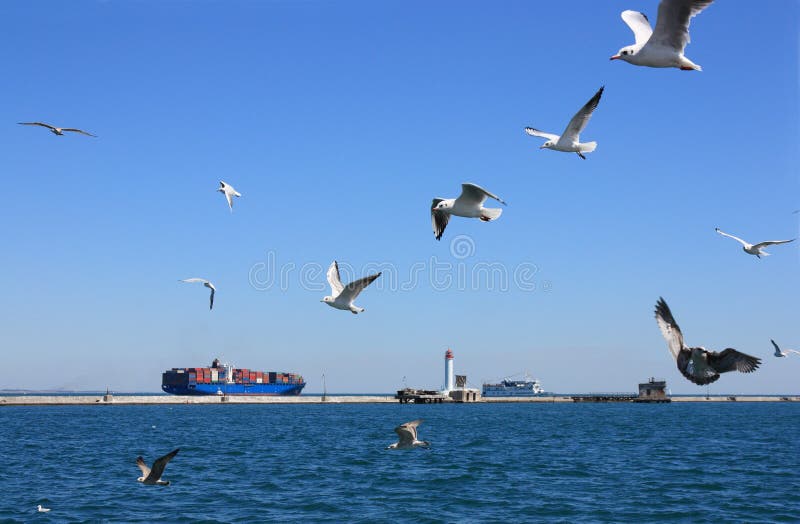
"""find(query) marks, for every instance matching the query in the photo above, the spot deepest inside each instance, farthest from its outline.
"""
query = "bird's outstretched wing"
(211, 298)
(742, 242)
(732, 360)
(408, 432)
(472, 194)
(143, 466)
(354, 288)
(581, 118)
(48, 126)
(639, 24)
(541, 134)
(159, 465)
(669, 329)
(81, 131)
(334, 279)
(672, 25)
(195, 280)
(439, 219)
(772, 243)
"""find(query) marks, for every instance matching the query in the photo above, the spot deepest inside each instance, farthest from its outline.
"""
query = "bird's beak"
(615, 57)
(541, 147)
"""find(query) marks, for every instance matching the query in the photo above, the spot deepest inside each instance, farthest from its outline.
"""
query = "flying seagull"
(40, 509)
(153, 476)
(779, 353)
(408, 436)
(698, 364)
(56, 130)
(342, 297)
(229, 192)
(570, 141)
(662, 47)
(469, 204)
(206, 283)
(753, 249)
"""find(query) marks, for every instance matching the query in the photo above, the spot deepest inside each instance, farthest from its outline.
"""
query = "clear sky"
(338, 122)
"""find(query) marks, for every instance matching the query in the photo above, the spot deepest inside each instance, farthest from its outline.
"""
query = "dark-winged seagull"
(697, 363)
(469, 204)
(342, 297)
(664, 46)
(754, 249)
(570, 140)
(57, 130)
(784, 353)
(207, 284)
(408, 436)
(153, 476)
(229, 193)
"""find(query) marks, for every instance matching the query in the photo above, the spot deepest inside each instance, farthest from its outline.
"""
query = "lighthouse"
(449, 382)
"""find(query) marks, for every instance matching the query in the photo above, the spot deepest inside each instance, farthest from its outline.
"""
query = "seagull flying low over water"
(779, 353)
(40, 509)
(469, 204)
(206, 283)
(343, 297)
(229, 193)
(570, 140)
(698, 364)
(662, 47)
(57, 130)
(754, 249)
(153, 476)
(408, 436)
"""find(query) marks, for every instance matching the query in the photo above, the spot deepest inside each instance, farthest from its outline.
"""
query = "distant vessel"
(528, 387)
(224, 379)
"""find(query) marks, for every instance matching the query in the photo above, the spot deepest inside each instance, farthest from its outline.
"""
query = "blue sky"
(338, 122)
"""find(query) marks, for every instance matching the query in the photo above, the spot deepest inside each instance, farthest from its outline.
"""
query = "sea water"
(716, 462)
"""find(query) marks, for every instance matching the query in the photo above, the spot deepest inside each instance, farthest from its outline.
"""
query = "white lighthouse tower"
(449, 380)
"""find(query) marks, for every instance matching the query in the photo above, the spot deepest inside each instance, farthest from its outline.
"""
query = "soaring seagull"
(698, 364)
(779, 353)
(56, 130)
(754, 249)
(152, 477)
(229, 193)
(342, 297)
(664, 46)
(408, 436)
(207, 284)
(570, 140)
(469, 204)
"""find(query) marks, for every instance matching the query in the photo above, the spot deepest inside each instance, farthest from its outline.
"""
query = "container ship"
(224, 379)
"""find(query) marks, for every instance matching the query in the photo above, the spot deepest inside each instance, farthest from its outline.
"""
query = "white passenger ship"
(528, 387)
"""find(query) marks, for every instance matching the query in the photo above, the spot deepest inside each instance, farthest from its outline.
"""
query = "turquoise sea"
(720, 462)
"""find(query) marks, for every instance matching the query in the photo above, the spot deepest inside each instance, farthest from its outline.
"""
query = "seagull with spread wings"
(207, 284)
(664, 46)
(408, 436)
(57, 130)
(342, 297)
(229, 193)
(469, 204)
(152, 476)
(570, 140)
(754, 249)
(784, 353)
(697, 363)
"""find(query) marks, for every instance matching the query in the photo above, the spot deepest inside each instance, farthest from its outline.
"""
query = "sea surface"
(725, 462)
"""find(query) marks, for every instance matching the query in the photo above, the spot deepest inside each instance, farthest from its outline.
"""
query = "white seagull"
(207, 284)
(662, 47)
(469, 204)
(570, 140)
(697, 363)
(229, 193)
(408, 436)
(56, 130)
(40, 509)
(342, 297)
(153, 476)
(779, 353)
(754, 249)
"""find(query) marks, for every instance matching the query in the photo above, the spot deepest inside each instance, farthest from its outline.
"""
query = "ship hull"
(235, 389)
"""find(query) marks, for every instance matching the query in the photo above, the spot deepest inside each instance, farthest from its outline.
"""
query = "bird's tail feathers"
(489, 214)
(588, 147)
